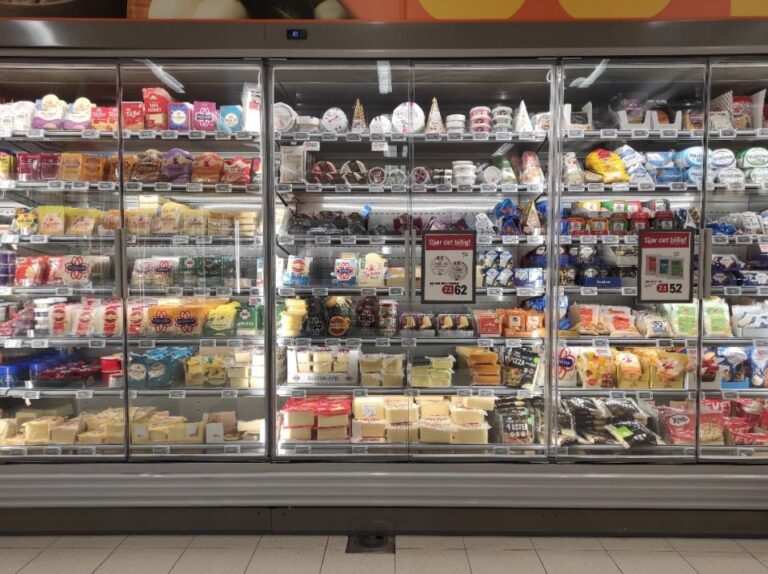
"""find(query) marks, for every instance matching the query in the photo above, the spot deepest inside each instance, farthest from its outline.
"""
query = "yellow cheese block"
(177, 433)
(401, 433)
(392, 380)
(91, 438)
(333, 433)
(464, 416)
(370, 379)
(298, 418)
(139, 433)
(470, 434)
(479, 402)
(401, 413)
(65, 434)
(296, 433)
(38, 431)
(8, 428)
(434, 409)
(368, 428)
(435, 434)
(339, 420)
(368, 407)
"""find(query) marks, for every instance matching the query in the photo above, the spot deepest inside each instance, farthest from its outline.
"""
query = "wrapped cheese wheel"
(148, 165)
(236, 170)
(177, 166)
(207, 167)
(608, 165)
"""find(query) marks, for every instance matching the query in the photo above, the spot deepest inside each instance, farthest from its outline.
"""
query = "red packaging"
(722, 405)
(737, 424)
(54, 269)
(104, 119)
(133, 116)
(84, 320)
(680, 426)
(711, 427)
(49, 166)
(58, 319)
(27, 166)
(30, 271)
(749, 439)
(237, 171)
(156, 102)
(111, 317)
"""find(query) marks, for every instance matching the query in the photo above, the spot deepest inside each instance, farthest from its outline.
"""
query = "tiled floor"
(414, 555)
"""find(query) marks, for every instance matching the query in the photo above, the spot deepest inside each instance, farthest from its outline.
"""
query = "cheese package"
(94, 168)
(476, 433)
(133, 116)
(368, 429)
(70, 166)
(368, 408)
(104, 119)
(52, 219)
(207, 167)
(204, 116)
(156, 101)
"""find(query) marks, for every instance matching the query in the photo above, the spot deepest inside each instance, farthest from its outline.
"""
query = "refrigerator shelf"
(328, 137)
(354, 342)
(58, 291)
(196, 292)
(737, 290)
(484, 188)
(44, 342)
(608, 340)
(191, 135)
(219, 188)
(233, 342)
(63, 452)
(639, 394)
(32, 392)
(145, 241)
(575, 135)
(302, 390)
(225, 449)
(183, 392)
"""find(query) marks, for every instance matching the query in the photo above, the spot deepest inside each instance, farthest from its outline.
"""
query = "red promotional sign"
(448, 260)
(665, 267)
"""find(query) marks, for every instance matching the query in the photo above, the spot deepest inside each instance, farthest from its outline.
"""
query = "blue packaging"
(659, 160)
(179, 116)
(230, 119)
(10, 376)
(692, 157)
(669, 175)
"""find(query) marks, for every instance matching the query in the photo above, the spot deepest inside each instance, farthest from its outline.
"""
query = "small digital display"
(296, 34)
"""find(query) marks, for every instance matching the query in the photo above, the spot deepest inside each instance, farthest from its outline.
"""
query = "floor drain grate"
(371, 544)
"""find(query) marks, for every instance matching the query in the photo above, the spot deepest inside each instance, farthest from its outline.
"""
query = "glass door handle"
(705, 263)
(119, 260)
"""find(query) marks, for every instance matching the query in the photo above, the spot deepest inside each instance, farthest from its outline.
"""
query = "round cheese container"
(492, 175)
(381, 125)
(479, 111)
(730, 175)
(408, 118)
(500, 111)
(476, 128)
(396, 177)
(354, 172)
(456, 118)
(757, 175)
(481, 118)
(283, 117)
(307, 124)
(420, 175)
(335, 121)
(723, 158)
(752, 157)
(505, 121)
(464, 179)
(377, 175)
(691, 157)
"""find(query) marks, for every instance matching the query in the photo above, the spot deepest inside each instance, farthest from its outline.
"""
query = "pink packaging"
(27, 166)
(133, 116)
(156, 102)
(204, 116)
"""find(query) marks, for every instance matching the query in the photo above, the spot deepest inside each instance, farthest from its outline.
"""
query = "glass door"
(60, 306)
(733, 422)
(481, 164)
(191, 174)
(342, 224)
(631, 137)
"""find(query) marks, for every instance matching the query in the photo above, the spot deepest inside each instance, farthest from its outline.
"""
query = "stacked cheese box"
(381, 370)
(437, 373)
(384, 419)
(482, 363)
(316, 418)
(150, 426)
(223, 366)
(458, 420)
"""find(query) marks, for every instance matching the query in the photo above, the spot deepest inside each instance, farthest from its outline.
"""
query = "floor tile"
(566, 543)
(498, 543)
(705, 545)
(430, 542)
(340, 563)
(148, 561)
(110, 542)
(719, 562)
(159, 541)
(506, 561)
(431, 561)
(67, 561)
(14, 559)
(762, 557)
(578, 562)
(27, 541)
(226, 541)
(641, 544)
(754, 544)
(218, 560)
(337, 543)
(643, 562)
(293, 542)
(286, 561)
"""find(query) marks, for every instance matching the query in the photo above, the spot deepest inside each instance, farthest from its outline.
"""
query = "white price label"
(589, 291)
(510, 240)
(368, 291)
(376, 240)
(132, 186)
(379, 146)
(668, 133)
(485, 342)
(196, 135)
(588, 239)
(147, 344)
(646, 186)
(55, 185)
(419, 188)
(566, 240)
(509, 188)
(284, 188)
(432, 136)
(312, 145)
(398, 188)
(525, 292)
(31, 395)
(52, 451)
(610, 239)
(593, 187)
(609, 134)
(353, 137)
(443, 188)
(39, 343)
(36, 134)
(223, 188)
(574, 188)
(728, 134)
(629, 291)
(10, 238)
(343, 188)
(84, 394)
(229, 394)
(513, 343)
(320, 291)
(180, 240)
(12, 344)
(80, 186)
(203, 240)
(5, 291)
(484, 239)
(678, 186)
(639, 134)
(382, 342)
(396, 291)
(329, 137)
(453, 136)
(177, 394)
(169, 135)
(621, 186)
(494, 291)
(482, 136)
(503, 136)
(195, 187)
(147, 134)
(313, 188)
(464, 188)
(487, 188)
(575, 134)
(732, 291)
(97, 344)
(349, 240)
(106, 186)
(408, 342)
(162, 186)
(222, 135)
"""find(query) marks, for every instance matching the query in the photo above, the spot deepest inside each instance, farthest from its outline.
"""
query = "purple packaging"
(204, 116)
(179, 116)
(177, 166)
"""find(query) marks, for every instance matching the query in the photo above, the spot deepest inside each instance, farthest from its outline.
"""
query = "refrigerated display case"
(191, 157)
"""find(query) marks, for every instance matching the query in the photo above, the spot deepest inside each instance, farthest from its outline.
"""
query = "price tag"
(55, 185)
(284, 188)
(231, 449)
(12, 344)
(147, 344)
(408, 342)
(376, 240)
(354, 343)
(320, 291)
(484, 239)
(52, 451)
(485, 342)
(349, 240)
(621, 186)
(482, 136)
(574, 188)
(526, 136)
(602, 348)
(196, 135)
(509, 188)
(203, 240)
(162, 186)
(106, 186)
(617, 395)
(432, 136)
(510, 240)
(5, 134)
(80, 186)
(5, 291)
(313, 188)
(663, 343)
(639, 134)
(17, 451)
(743, 239)
(443, 188)
(732, 290)
(147, 134)
(610, 134)
(494, 291)
(762, 290)
(223, 188)
(301, 136)
(630, 239)
(419, 188)
(575, 134)
(566, 240)
(312, 145)
(513, 343)
(398, 188)
(762, 133)
(464, 188)
(454, 136)
(629, 291)
(328, 137)
(668, 133)
(195, 187)
(645, 395)
(169, 135)
(382, 342)
(229, 394)
(646, 186)
(222, 135)
(523, 394)
(97, 343)
(353, 137)
(678, 186)
(161, 449)
(343, 188)
(525, 292)
(535, 187)
(610, 239)
(593, 187)
(487, 188)
(333, 342)
(396, 291)
(286, 240)
(322, 240)
(464, 392)
(728, 134)
(501, 450)
(36, 134)
(224, 291)
(39, 343)
(174, 291)
(745, 451)
(379, 146)
(10, 238)
(180, 240)
(177, 394)
(589, 291)
(588, 239)
(368, 292)
(485, 393)
(31, 395)
(84, 394)
(503, 136)
(132, 186)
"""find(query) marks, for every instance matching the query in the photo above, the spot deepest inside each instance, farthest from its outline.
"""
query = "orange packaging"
(70, 167)
(486, 369)
(129, 164)
(111, 219)
(488, 323)
(514, 321)
(207, 167)
(534, 320)
(93, 169)
(486, 379)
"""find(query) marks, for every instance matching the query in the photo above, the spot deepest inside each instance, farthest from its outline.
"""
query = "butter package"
(230, 119)
(179, 116)
(204, 116)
